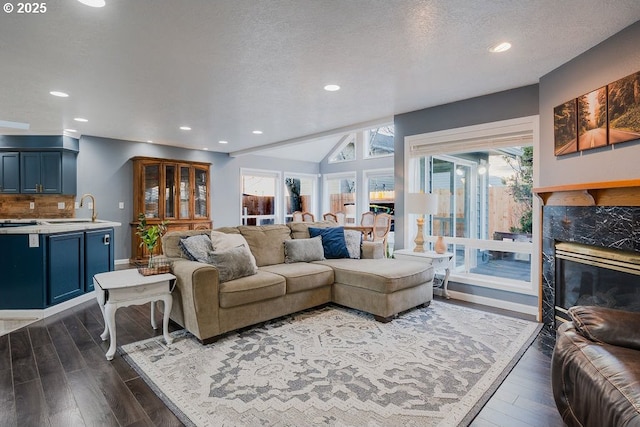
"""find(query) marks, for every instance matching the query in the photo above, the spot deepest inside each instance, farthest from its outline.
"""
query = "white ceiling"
(137, 70)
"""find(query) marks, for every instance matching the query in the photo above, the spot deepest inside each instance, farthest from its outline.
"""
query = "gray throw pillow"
(303, 250)
(353, 239)
(197, 247)
(233, 263)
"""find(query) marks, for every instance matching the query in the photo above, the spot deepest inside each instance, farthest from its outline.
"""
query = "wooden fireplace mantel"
(609, 193)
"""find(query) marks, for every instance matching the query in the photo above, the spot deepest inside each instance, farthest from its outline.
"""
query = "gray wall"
(510, 104)
(105, 171)
(605, 63)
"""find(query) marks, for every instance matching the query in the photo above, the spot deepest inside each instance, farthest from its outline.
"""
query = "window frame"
(277, 202)
(314, 194)
(481, 137)
(326, 202)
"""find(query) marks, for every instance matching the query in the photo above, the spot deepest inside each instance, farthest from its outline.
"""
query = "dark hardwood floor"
(54, 373)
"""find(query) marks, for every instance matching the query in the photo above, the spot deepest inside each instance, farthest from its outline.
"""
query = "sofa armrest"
(198, 287)
(606, 325)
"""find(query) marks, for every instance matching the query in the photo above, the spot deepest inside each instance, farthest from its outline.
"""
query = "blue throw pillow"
(333, 241)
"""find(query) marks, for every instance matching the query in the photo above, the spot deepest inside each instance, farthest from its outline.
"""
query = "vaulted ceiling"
(138, 70)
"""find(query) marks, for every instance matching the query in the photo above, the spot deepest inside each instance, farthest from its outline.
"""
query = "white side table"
(122, 288)
(438, 261)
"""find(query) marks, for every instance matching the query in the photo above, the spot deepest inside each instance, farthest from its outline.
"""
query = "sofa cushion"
(233, 263)
(258, 287)
(196, 248)
(266, 242)
(222, 241)
(171, 242)
(333, 241)
(302, 276)
(303, 250)
(379, 275)
(300, 230)
(353, 240)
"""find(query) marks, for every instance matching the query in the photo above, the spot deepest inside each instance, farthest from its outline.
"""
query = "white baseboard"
(47, 312)
(121, 261)
(491, 302)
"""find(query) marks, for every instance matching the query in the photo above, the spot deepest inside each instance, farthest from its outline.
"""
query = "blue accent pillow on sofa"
(333, 241)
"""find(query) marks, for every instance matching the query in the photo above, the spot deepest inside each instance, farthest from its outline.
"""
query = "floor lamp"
(421, 204)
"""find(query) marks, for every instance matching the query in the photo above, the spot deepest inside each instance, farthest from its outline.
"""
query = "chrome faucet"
(93, 210)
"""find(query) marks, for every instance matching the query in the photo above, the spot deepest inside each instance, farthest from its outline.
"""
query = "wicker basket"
(159, 267)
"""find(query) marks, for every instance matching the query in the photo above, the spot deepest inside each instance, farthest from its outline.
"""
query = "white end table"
(122, 288)
(438, 261)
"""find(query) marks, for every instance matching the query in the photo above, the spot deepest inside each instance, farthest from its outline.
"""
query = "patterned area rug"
(338, 367)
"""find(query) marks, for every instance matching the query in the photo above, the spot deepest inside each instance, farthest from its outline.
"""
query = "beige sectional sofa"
(209, 308)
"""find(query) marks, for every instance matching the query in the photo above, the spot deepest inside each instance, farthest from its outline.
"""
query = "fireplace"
(600, 216)
(592, 275)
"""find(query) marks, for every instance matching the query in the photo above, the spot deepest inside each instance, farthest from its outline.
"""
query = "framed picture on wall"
(624, 109)
(592, 119)
(565, 128)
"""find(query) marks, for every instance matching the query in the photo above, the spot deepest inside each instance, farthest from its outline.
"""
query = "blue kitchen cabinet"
(23, 271)
(65, 266)
(41, 172)
(10, 172)
(98, 255)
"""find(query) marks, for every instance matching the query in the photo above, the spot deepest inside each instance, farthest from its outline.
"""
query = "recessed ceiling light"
(59, 94)
(80, 119)
(70, 130)
(93, 3)
(223, 142)
(185, 128)
(257, 132)
(501, 47)
(331, 88)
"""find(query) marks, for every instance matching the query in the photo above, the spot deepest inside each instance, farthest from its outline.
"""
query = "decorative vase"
(440, 247)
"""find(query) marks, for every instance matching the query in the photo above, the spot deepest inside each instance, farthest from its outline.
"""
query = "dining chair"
(330, 217)
(367, 219)
(297, 216)
(307, 217)
(341, 217)
(381, 228)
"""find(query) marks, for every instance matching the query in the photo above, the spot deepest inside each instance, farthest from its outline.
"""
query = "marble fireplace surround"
(604, 214)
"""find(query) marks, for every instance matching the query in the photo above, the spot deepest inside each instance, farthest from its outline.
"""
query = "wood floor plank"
(159, 414)
(39, 334)
(7, 399)
(70, 355)
(47, 360)
(124, 406)
(57, 394)
(91, 402)
(22, 358)
(78, 333)
(31, 408)
(5, 353)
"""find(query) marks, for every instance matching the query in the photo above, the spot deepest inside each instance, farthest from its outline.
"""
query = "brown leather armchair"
(595, 368)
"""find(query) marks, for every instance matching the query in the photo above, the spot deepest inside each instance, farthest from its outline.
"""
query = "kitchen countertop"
(51, 226)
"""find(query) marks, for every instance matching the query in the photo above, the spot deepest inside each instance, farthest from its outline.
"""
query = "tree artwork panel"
(624, 109)
(592, 119)
(565, 128)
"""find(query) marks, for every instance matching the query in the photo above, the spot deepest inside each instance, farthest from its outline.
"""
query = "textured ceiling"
(137, 70)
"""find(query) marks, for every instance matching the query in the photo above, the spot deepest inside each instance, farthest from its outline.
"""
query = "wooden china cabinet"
(169, 190)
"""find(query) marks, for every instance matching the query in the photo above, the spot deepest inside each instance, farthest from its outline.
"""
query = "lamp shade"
(422, 203)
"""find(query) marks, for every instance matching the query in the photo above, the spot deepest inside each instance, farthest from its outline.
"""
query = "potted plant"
(149, 235)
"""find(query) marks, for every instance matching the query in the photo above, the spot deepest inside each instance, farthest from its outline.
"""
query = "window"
(379, 142)
(340, 195)
(485, 203)
(300, 194)
(381, 195)
(346, 150)
(260, 194)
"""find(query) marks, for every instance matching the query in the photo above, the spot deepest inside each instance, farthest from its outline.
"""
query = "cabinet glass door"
(170, 191)
(184, 192)
(151, 184)
(200, 198)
